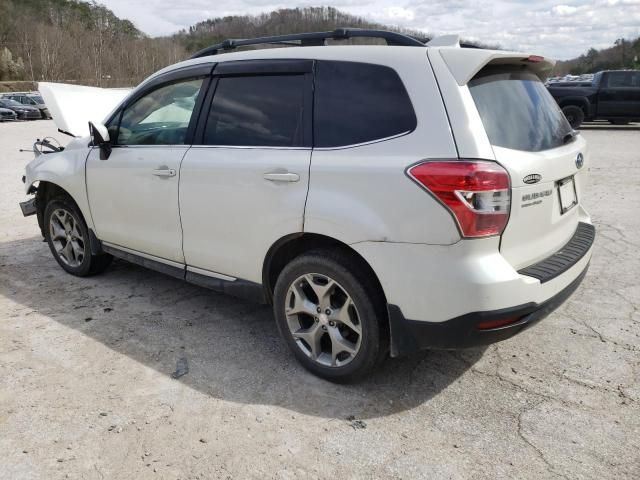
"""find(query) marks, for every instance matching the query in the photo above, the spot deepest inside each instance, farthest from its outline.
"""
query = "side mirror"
(100, 138)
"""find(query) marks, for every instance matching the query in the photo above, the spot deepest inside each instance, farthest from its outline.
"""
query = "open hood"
(73, 106)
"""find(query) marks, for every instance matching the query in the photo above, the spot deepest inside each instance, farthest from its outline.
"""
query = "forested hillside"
(75, 41)
(622, 55)
(279, 22)
(84, 42)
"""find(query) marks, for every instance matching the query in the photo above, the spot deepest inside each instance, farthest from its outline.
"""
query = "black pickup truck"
(613, 95)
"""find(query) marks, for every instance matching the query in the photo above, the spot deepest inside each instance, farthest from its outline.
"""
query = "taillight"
(476, 192)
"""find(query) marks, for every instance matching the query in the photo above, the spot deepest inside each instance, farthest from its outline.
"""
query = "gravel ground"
(88, 367)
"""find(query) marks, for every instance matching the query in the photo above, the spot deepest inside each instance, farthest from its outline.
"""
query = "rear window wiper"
(569, 136)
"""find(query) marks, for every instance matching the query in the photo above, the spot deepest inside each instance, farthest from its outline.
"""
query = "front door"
(133, 194)
(245, 185)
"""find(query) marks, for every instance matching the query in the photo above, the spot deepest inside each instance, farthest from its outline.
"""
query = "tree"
(620, 43)
(10, 69)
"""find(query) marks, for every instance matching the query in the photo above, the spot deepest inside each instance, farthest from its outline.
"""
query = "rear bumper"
(470, 330)
(430, 290)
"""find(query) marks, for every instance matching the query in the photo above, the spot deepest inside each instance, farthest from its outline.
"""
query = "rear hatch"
(532, 139)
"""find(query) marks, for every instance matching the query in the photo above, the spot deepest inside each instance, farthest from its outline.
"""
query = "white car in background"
(384, 199)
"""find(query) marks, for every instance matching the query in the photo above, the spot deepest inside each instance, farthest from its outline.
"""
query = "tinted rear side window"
(623, 79)
(357, 103)
(264, 110)
(517, 110)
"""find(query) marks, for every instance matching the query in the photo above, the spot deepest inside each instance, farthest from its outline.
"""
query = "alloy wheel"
(323, 320)
(66, 237)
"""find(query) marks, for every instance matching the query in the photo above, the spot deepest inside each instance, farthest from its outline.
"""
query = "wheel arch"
(290, 246)
(581, 102)
(45, 192)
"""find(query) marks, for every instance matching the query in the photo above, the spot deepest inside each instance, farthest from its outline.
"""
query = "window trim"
(261, 68)
(368, 142)
(175, 76)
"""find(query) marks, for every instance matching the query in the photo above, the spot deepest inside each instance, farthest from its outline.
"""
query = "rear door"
(619, 95)
(531, 138)
(243, 185)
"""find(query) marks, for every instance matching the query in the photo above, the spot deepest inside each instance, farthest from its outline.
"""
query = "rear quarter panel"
(362, 193)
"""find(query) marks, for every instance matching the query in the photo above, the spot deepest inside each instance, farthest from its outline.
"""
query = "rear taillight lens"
(476, 192)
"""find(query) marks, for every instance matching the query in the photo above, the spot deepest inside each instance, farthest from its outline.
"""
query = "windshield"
(36, 98)
(517, 110)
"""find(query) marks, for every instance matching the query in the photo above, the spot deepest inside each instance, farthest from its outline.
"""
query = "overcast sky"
(561, 29)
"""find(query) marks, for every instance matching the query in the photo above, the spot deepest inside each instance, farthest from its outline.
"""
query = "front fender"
(66, 169)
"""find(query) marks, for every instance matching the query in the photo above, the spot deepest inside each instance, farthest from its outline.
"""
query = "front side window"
(260, 110)
(359, 102)
(161, 117)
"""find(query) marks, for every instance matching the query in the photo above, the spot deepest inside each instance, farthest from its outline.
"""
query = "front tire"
(574, 114)
(68, 237)
(331, 315)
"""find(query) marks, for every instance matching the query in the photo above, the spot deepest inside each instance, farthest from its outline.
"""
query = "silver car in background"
(23, 112)
(7, 115)
(31, 99)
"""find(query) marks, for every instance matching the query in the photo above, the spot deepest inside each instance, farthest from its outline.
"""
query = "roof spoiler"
(445, 41)
(465, 63)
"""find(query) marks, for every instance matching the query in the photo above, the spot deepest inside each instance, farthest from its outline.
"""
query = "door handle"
(281, 177)
(164, 172)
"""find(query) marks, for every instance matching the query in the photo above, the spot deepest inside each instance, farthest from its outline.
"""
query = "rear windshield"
(517, 110)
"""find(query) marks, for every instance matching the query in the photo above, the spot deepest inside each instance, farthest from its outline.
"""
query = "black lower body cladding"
(408, 336)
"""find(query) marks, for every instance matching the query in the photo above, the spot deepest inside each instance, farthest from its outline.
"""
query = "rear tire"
(331, 315)
(68, 237)
(574, 114)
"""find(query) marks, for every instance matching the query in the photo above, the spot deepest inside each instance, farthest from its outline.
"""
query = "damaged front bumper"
(29, 207)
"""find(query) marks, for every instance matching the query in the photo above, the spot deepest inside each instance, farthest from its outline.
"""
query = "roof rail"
(313, 39)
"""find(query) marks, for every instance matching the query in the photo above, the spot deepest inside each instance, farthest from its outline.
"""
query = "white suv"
(384, 199)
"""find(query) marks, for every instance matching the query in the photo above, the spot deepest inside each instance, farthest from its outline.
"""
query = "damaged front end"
(29, 207)
(40, 147)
